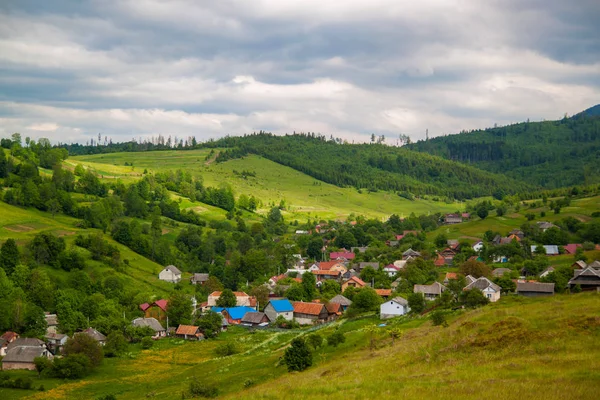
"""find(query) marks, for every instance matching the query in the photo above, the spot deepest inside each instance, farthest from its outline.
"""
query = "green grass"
(305, 196)
(518, 348)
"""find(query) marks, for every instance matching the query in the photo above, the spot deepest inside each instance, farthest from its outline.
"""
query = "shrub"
(147, 343)
(226, 349)
(198, 388)
(315, 340)
(73, 366)
(297, 357)
(438, 318)
(335, 339)
(249, 382)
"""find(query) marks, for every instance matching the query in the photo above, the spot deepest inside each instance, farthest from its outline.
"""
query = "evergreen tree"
(9, 256)
(298, 356)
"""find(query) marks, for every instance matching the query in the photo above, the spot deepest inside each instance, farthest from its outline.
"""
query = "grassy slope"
(518, 348)
(304, 195)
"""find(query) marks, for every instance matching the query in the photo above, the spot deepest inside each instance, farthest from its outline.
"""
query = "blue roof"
(235, 312)
(282, 305)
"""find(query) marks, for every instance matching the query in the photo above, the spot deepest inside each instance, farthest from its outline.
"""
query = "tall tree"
(9, 256)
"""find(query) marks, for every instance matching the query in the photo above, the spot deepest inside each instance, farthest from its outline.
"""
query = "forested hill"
(369, 166)
(549, 153)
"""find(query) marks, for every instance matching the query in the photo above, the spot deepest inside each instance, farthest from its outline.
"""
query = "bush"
(198, 388)
(249, 382)
(416, 302)
(315, 340)
(226, 349)
(297, 357)
(147, 343)
(335, 339)
(115, 345)
(438, 318)
(73, 366)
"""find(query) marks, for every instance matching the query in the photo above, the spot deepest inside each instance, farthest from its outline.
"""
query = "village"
(335, 285)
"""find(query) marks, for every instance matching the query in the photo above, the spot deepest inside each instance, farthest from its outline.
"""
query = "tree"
(474, 298)
(315, 340)
(86, 345)
(54, 206)
(147, 342)
(298, 356)
(482, 211)
(474, 268)
(315, 247)
(227, 299)
(366, 300)
(42, 364)
(9, 256)
(335, 339)
(416, 302)
(441, 240)
(261, 293)
(309, 283)
(507, 284)
(295, 292)
(438, 318)
(210, 324)
(371, 331)
(179, 309)
(394, 333)
(115, 344)
(73, 366)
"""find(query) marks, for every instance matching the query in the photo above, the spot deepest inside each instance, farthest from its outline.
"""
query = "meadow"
(303, 195)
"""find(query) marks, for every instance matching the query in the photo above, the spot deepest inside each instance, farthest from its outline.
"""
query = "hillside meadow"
(304, 196)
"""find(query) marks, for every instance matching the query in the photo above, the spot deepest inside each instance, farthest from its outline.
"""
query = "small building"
(7, 338)
(241, 299)
(234, 315)
(51, 322)
(588, 279)
(391, 269)
(410, 253)
(450, 276)
(332, 266)
(170, 274)
(535, 289)
(56, 342)
(342, 301)
(341, 255)
(551, 250)
(448, 255)
(152, 323)
(310, 313)
(499, 272)
(157, 310)
(22, 357)
(384, 293)
(450, 219)
(276, 308)
(326, 275)
(478, 246)
(394, 308)
(355, 282)
(199, 279)
(254, 319)
(334, 311)
(544, 226)
(547, 272)
(430, 292)
(94, 334)
(189, 332)
(489, 288)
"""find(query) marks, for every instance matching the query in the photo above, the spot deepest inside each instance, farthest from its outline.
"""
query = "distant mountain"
(550, 153)
(370, 166)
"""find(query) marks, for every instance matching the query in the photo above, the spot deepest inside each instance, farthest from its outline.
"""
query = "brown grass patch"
(62, 233)
(23, 227)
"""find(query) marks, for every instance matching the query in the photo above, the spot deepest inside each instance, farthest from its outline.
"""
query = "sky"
(348, 68)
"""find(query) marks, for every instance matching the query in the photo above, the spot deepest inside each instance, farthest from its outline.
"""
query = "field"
(304, 196)
(518, 348)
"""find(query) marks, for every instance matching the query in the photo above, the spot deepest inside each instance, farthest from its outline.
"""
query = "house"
(405, 233)
(450, 276)
(51, 322)
(391, 269)
(153, 324)
(189, 332)
(241, 299)
(551, 250)
(448, 255)
(21, 354)
(385, 293)
(499, 272)
(469, 279)
(544, 226)
(309, 313)
(588, 279)
(351, 272)
(430, 292)
(341, 255)
(400, 264)
(170, 274)
(535, 289)
(56, 342)
(454, 244)
(6, 339)
(276, 308)
(234, 315)
(579, 264)
(334, 311)
(157, 310)
(394, 308)
(324, 275)
(489, 288)
(410, 253)
(94, 334)
(364, 264)
(450, 219)
(342, 301)
(199, 279)
(518, 233)
(594, 264)
(439, 261)
(396, 283)
(465, 215)
(359, 249)
(355, 282)
(254, 319)
(546, 272)
(478, 246)
(571, 248)
(332, 266)
(392, 243)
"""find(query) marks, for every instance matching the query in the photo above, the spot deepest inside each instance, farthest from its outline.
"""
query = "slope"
(373, 167)
(269, 181)
(550, 153)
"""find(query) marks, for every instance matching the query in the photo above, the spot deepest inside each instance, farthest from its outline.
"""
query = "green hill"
(373, 167)
(550, 153)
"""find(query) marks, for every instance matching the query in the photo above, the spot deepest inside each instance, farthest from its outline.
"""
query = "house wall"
(305, 319)
(534, 294)
(272, 314)
(492, 295)
(6, 366)
(156, 312)
(392, 309)
(169, 276)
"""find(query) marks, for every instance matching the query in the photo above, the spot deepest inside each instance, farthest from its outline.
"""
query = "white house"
(394, 308)
(170, 274)
(478, 246)
(430, 292)
(489, 288)
(391, 270)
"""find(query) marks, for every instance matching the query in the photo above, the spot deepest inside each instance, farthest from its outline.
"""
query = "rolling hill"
(551, 154)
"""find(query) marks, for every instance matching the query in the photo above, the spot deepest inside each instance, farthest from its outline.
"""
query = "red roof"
(451, 275)
(384, 292)
(237, 294)
(572, 248)
(186, 330)
(144, 306)
(162, 303)
(357, 280)
(324, 272)
(9, 336)
(327, 265)
(392, 266)
(346, 255)
(307, 308)
(439, 262)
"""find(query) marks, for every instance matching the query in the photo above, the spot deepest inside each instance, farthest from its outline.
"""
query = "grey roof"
(150, 322)
(434, 288)
(595, 264)
(51, 319)
(94, 334)
(339, 299)
(253, 317)
(469, 279)
(550, 249)
(535, 287)
(582, 264)
(199, 277)
(366, 264)
(400, 300)
(173, 269)
(55, 336)
(482, 284)
(411, 252)
(500, 271)
(22, 354)
(26, 342)
(545, 225)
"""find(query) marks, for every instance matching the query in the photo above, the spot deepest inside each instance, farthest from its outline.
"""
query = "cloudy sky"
(133, 68)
